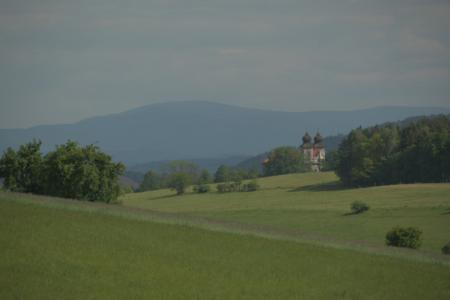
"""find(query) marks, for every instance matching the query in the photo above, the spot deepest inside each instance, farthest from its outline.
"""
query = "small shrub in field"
(446, 248)
(409, 237)
(226, 187)
(201, 188)
(358, 207)
(251, 186)
(222, 187)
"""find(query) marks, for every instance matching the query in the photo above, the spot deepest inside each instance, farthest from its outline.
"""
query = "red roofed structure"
(314, 153)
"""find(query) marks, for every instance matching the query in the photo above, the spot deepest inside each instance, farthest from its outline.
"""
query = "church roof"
(306, 138)
(318, 138)
(318, 141)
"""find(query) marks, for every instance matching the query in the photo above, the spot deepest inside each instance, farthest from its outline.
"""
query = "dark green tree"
(222, 174)
(415, 152)
(355, 165)
(70, 171)
(151, 181)
(179, 166)
(22, 170)
(179, 181)
(284, 160)
(204, 177)
(331, 161)
(83, 173)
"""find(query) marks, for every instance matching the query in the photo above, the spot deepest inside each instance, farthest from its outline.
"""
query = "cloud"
(231, 51)
(65, 60)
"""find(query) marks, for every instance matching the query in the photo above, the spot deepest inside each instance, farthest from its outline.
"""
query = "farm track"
(212, 224)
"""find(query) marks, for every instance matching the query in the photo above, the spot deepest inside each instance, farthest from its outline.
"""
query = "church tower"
(314, 153)
(307, 147)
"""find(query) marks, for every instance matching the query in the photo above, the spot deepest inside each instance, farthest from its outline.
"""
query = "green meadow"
(71, 250)
(314, 206)
(293, 239)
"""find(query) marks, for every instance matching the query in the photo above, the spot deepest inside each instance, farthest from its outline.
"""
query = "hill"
(314, 207)
(330, 142)
(255, 162)
(63, 249)
(191, 130)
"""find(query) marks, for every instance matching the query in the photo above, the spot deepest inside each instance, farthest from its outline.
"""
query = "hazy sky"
(64, 60)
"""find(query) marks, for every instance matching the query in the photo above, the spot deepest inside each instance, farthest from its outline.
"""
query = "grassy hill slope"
(314, 207)
(59, 249)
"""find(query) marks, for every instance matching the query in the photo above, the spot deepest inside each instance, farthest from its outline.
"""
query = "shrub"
(251, 186)
(409, 237)
(125, 189)
(229, 187)
(201, 188)
(358, 207)
(446, 248)
(226, 187)
(221, 187)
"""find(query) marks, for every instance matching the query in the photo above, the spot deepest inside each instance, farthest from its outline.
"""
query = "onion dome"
(306, 138)
(318, 139)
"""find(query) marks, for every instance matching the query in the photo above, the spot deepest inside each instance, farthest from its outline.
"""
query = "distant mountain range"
(193, 130)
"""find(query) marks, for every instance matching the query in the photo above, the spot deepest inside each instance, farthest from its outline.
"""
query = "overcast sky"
(64, 60)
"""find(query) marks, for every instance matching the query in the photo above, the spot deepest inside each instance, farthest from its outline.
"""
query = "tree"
(331, 161)
(284, 160)
(85, 173)
(416, 152)
(179, 166)
(179, 181)
(222, 174)
(202, 183)
(151, 181)
(204, 177)
(355, 165)
(9, 170)
(70, 171)
(22, 170)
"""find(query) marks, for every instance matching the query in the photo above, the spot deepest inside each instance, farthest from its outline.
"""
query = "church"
(314, 153)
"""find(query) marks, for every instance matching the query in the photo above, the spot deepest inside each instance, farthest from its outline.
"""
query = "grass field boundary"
(232, 227)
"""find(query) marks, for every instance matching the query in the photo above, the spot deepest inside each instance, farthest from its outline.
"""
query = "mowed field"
(59, 249)
(313, 207)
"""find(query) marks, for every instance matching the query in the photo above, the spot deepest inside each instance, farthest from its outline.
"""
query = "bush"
(446, 248)
(201, 188)
(229, 187)
(409, 237)
(221, 187)
(358, 207)
(251, 186)
(125, 189)
(226, 187)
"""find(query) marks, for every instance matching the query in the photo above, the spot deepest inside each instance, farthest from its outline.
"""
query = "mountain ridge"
(216, 104)
(195, 129)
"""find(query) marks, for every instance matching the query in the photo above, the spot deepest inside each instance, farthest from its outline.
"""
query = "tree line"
(390, 154)
(70, 171)
(418, 151)
(179, 174)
